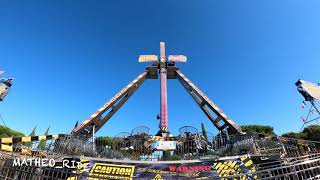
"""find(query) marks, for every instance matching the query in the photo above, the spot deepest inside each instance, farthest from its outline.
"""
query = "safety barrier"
(143, 147)
(270, 158)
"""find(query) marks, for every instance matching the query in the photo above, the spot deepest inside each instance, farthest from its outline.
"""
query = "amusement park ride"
(232, 154)
(167, 69)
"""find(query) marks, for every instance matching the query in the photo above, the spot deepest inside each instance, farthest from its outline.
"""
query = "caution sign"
(157, 177)
(111, 171)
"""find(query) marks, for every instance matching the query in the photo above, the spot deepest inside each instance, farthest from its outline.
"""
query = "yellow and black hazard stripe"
(227, 168)
(164, 129)
(20, 139)
(85, 163)
(7, 144)
(248, 163)
(4, 147)
(11, 148)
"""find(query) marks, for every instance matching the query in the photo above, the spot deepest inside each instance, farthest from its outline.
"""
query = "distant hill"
(7, 132)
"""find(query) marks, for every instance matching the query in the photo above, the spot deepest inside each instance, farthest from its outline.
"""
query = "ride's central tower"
(163, 90)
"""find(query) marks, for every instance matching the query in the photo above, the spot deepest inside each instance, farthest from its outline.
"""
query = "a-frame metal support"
(220, 120)
(100, 117)
(310, 118)
(167, 70)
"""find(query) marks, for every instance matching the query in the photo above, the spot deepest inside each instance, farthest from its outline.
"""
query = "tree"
(104, 141)
(309, 133)
(312, 132)
(33, 133)
(295, 135)
(266, 130)
(7, 132)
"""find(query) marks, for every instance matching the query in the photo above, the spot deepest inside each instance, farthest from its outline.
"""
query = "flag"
(42, 144)
(204, 132)
(47, 131)
(33, 133)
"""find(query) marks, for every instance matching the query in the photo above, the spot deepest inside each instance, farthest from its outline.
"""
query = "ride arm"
(220, 120)
(102, 115)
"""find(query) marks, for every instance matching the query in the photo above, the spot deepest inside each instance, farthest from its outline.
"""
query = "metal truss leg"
(307, 120)
(102, 115)
(220, 120)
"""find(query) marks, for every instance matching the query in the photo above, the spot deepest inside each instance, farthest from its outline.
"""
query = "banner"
(148, 58)
(177, 58)
(93, 169)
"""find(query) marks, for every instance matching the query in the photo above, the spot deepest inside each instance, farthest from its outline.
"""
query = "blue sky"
(70, 57)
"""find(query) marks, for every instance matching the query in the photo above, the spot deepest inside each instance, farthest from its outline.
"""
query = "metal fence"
(256, 144)
(295, 159)
(139, 147)
(305, 167)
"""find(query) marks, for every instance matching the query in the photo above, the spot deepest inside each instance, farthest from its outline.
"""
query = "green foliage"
(313, 132)
(174, 157)
(309, 133)
(266, 130)
(168, 156)
(7, 132)
(104, 141)
(295, 135)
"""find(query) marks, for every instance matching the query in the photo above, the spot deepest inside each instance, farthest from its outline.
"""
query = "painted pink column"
(163, 90)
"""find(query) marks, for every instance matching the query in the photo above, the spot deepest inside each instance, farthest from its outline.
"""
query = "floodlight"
(309, 91)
